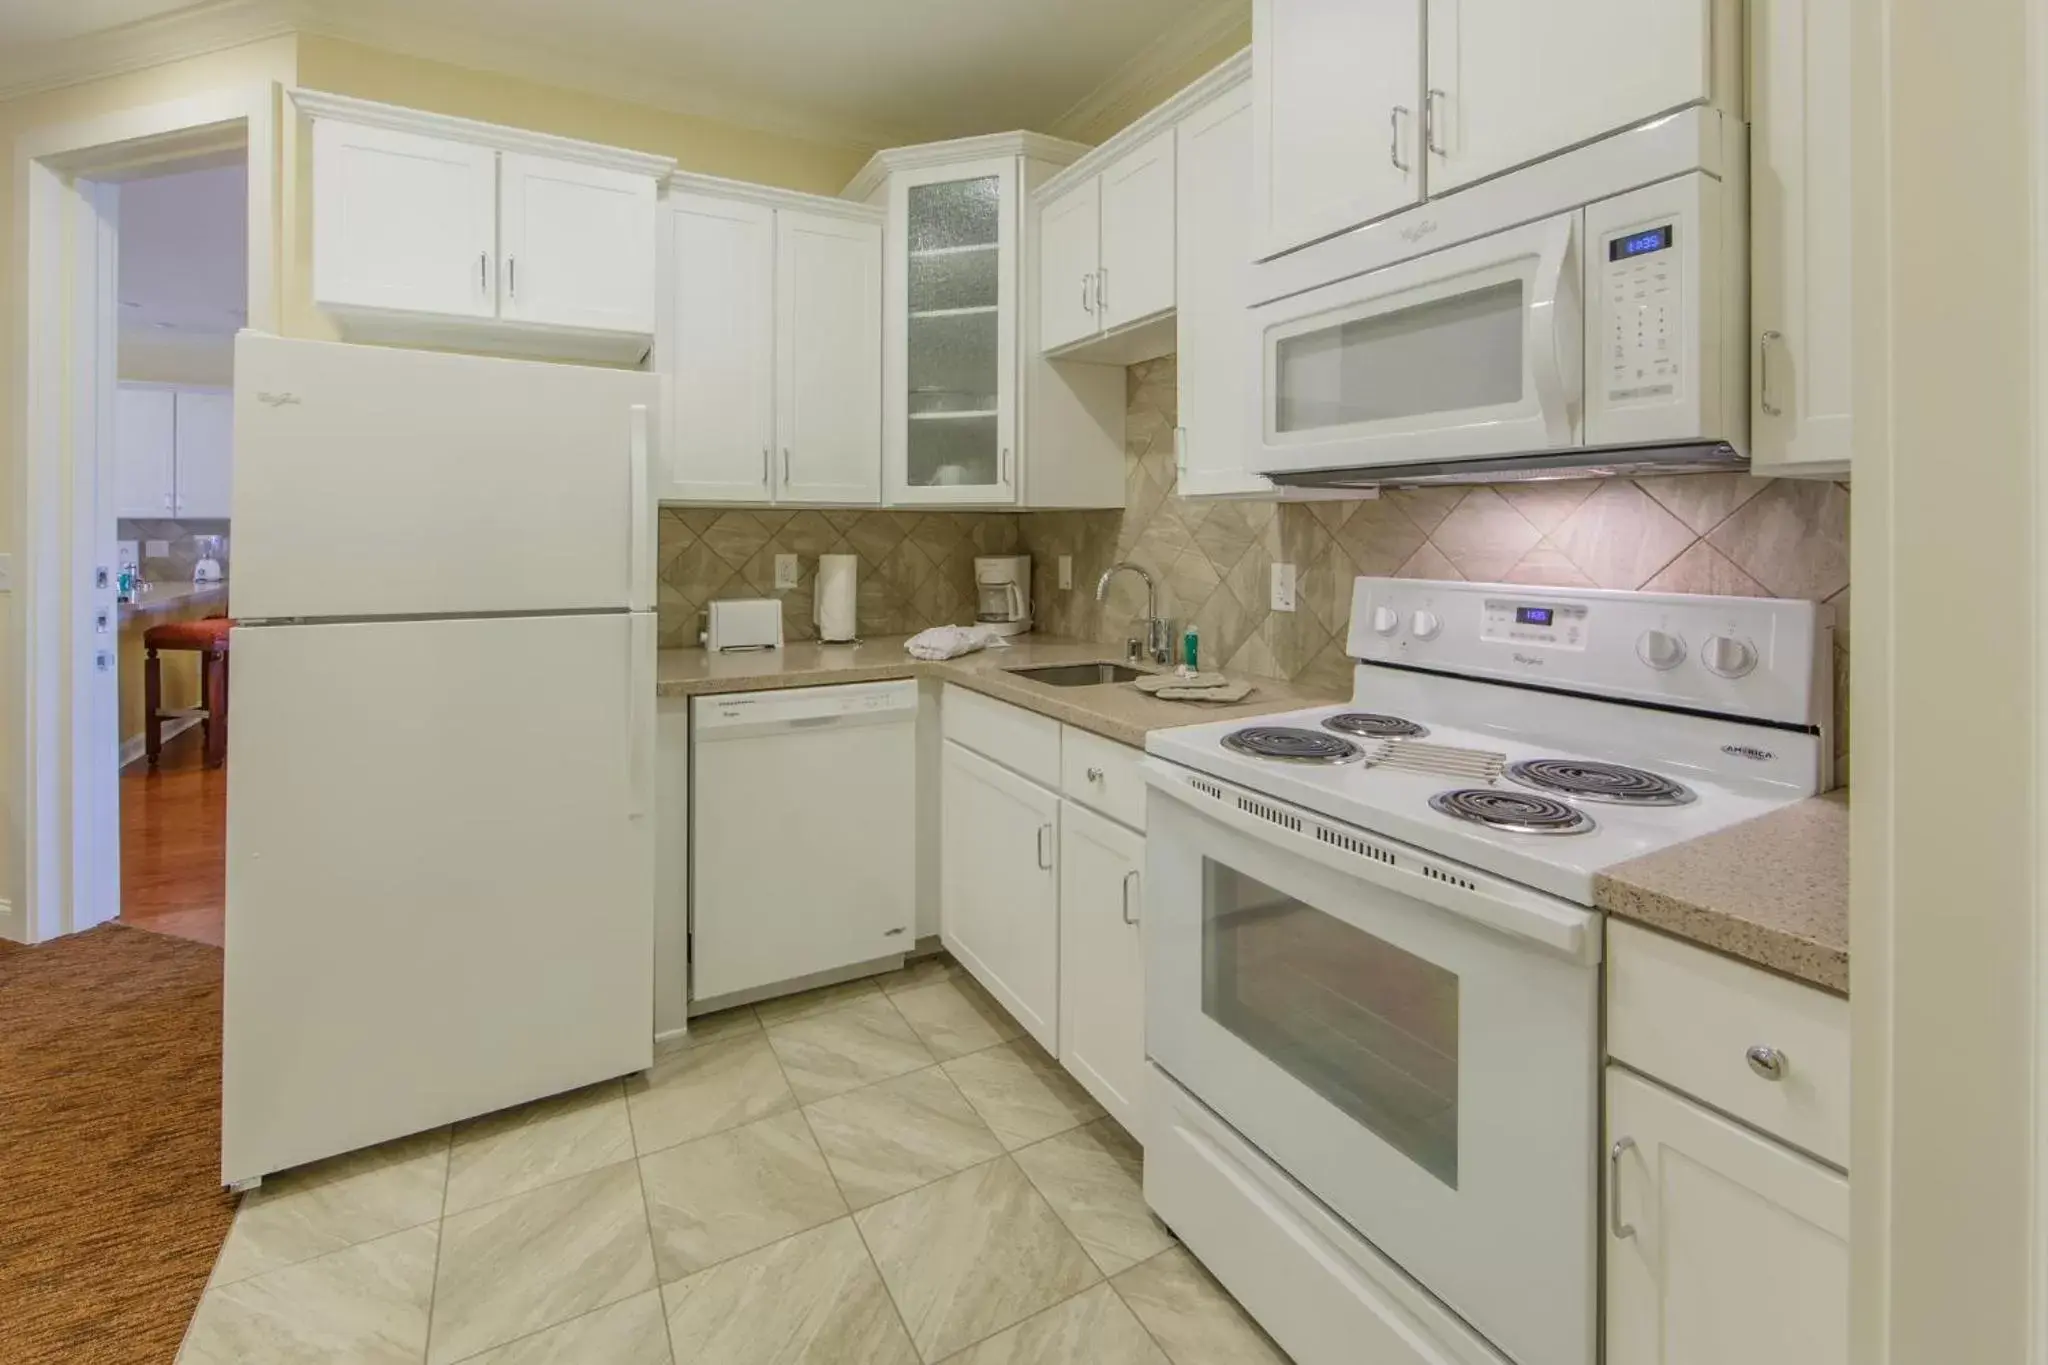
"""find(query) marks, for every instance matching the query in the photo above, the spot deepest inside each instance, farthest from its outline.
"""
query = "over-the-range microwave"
(1584, 314)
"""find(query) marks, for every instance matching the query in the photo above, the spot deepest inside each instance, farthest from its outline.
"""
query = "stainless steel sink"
(1078, 675)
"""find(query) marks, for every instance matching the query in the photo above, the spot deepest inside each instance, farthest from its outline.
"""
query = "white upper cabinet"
(145, 435)
(1801, 308)
(1510, 81)
(1337, 116)
(1136, 279)
(578, 245)
(717, 350)
(205, 454)
(828, 344)
(403, 222)
(1218, 398)
(1069, 253)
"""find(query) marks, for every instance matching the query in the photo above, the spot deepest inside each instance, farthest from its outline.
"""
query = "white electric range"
(1373, 985)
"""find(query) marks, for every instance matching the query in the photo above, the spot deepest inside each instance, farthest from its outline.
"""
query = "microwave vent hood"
(1709, 457)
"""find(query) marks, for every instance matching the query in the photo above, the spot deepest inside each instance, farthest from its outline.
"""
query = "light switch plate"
(1283, 587)
(785, 571)
(1066, 571)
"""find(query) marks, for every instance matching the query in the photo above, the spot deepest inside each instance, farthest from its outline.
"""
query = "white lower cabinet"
(1000, 886)
(1102, 961)
(1722, 1245)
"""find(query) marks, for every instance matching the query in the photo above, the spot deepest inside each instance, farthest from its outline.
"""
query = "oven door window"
(1370, 1028)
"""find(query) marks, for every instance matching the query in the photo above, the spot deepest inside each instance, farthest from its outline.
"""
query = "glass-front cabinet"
(951, 403)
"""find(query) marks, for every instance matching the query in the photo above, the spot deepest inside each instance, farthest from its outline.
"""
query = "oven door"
(1474, 350)
(1414, 1042)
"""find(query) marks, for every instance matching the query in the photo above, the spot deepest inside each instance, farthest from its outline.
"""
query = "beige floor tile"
(631, 1332)
(1023, 1095)
(366, 1304)
(789, 1008)
(902, 1133)
(846, 1048)
(511, 1268)
(1094, 1179)
(972, 1254)
(716, 1028)
(536, 1144)
(955, 1017)
(1094, 1327)
(922, 972)
(1193, 1318)
(694, 1091)
(719, 1196)
(811, 1299)
(336, 1203)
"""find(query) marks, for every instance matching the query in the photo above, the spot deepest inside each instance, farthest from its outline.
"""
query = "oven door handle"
(1568, 930)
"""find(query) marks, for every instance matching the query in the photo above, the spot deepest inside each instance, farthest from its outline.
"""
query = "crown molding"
(149, 42)
(1231, 73)
(1157, 61)
(692, 182)
(883, 164)
(347, 109)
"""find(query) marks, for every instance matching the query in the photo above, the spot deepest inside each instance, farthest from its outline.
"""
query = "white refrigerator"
(440, 861)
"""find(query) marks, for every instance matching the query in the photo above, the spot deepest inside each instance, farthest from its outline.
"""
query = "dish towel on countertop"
(950, 642)
(1213, 687)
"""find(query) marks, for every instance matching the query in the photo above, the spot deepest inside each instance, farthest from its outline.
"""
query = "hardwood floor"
(174, 843)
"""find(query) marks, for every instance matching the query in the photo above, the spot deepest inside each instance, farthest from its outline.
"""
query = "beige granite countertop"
(1116, 711)
(1773, 891)
(157, 597)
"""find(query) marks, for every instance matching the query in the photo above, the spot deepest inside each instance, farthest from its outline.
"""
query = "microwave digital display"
(1640, 244)
(1534, 616)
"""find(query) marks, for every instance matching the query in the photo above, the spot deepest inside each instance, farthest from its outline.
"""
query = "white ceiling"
(861, 71)
(184, 251)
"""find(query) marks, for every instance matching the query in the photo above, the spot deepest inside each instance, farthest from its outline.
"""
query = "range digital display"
(1535, 616)
(1641, 244)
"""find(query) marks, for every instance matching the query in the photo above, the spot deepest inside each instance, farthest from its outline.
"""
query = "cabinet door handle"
(1095, 774)
(1044, 848)
(483, 272)
(1431, 123)
(1394, 134)
(1763, 373)
(511, 277)
(1767, 1062)
(1003, 468)
(1620, 1231)
(1102, 290)
(785, 466)
(1087, 297)
(764, 466)
(1130, 878)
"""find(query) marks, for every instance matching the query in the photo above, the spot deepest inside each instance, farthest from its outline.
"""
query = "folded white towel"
(950, 642)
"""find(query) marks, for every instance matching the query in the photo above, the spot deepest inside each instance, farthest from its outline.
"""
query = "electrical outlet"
(785, 571)
(1283, 587)
(1066, 571)
(156, 549)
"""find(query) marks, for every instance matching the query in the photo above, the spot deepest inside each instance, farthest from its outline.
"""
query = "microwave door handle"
(1555, 332)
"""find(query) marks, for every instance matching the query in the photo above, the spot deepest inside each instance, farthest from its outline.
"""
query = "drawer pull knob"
(1095, 774)
(1767, 1062)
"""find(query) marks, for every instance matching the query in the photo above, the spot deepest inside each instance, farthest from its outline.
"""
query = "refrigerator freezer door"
(371, 481)
(440, 875)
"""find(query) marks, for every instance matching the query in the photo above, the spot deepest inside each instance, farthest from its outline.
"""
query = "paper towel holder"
(849, 625)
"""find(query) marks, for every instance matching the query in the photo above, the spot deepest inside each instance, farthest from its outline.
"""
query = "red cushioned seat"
(210, 634)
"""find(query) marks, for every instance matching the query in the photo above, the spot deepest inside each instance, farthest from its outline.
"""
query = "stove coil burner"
(1512, 811)
(1292, 746)
(1609, 782)
(1367, 725)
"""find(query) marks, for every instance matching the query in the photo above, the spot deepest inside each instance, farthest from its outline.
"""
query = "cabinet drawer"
(1690, 1018)
(1022, 741)
(1103, 775)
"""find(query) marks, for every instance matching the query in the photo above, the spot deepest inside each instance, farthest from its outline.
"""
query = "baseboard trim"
(133, 747)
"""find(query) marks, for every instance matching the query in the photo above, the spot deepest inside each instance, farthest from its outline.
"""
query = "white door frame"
(66, 717)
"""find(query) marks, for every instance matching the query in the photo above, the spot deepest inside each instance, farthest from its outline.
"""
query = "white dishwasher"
(804, 834)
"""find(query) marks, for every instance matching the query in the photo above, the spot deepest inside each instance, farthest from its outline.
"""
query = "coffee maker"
(1002, 591)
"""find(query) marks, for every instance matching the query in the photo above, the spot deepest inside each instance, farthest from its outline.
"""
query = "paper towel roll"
(836, 592)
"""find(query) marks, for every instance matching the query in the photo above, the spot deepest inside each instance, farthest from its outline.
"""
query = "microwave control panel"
(1642, 280)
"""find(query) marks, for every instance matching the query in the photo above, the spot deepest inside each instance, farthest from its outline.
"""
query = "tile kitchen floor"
(884, 1172)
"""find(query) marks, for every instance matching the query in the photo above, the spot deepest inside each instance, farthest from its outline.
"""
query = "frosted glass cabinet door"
(952, 334)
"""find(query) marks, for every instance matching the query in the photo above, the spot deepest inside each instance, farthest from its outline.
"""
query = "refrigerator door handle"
(639, 723)
(641, 569)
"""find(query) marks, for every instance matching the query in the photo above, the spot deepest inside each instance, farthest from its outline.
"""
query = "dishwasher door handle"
(813, 722)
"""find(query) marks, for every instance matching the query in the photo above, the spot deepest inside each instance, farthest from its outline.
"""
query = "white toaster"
(745, 623)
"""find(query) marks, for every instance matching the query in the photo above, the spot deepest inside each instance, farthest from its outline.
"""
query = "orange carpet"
(111, 1210)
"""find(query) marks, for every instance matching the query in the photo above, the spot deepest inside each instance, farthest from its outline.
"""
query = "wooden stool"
(210, 639)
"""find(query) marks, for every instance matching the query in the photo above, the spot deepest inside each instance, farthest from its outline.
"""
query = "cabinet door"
(205, 453)
(999, 878)
(1102, 960)
(578, 245)
(1800, 230)
(402, 221)
(1217, 403)
(1137, 235)
(1336, 100)
(1510, 82)
(144, 425)
(950, 338)
(718, 349)
(1069, 250)
(1736, 1248)
(828, 369)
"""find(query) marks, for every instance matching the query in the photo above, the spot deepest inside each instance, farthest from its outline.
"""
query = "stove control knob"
(1385, 620)
(1425, 625)
(1729, 656)
(1661, 650)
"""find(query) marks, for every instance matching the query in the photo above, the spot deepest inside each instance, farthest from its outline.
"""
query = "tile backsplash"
(182, 543)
